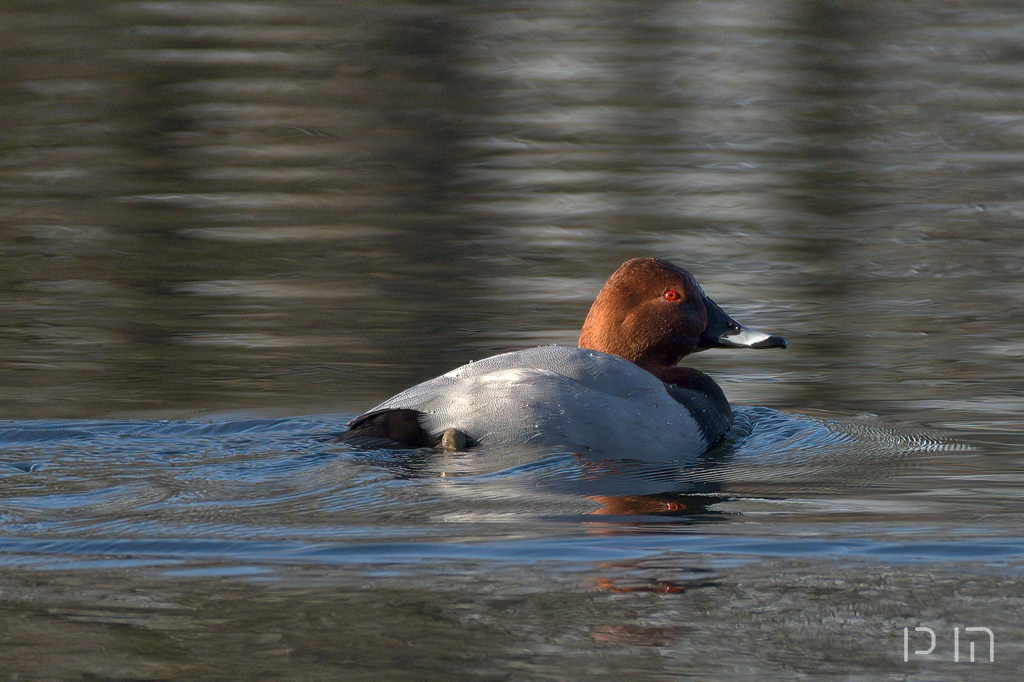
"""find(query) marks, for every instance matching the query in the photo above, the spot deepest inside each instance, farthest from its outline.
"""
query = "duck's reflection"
(614, 491)
(639, 577)
(663, 505)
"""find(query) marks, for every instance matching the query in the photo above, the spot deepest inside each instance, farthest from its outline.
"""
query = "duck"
(619, 394)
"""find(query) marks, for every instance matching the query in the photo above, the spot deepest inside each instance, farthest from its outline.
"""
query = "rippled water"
(227, 227)
(189, 547)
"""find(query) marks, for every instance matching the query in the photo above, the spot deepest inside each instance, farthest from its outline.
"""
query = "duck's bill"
(724, 332)
(751, 338)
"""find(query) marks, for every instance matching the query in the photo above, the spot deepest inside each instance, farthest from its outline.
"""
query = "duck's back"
(555, 395)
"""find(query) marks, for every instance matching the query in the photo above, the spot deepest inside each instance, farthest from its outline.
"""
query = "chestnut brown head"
(654, 313)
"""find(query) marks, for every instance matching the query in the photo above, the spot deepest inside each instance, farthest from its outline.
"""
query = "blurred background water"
(227, 227)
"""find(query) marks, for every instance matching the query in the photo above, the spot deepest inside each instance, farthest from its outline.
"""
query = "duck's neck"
(661, 363)
(685, 377)
(693, 379)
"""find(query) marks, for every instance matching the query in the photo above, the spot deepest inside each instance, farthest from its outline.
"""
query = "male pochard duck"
(620, 393)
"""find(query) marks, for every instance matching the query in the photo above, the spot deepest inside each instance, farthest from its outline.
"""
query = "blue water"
(211, 544)
(266, 492)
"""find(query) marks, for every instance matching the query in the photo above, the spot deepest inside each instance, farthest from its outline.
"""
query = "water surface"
(226, 228)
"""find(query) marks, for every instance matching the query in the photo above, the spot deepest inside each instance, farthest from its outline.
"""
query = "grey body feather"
(555, 395)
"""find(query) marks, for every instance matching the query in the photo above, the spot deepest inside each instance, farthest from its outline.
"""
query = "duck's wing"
(552, 395)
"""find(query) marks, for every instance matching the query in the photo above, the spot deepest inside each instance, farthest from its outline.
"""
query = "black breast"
(706, 402)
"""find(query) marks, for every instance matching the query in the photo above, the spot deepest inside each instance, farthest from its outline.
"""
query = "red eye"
(671, 295)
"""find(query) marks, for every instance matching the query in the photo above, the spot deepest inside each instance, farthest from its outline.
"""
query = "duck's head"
(654, 313)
